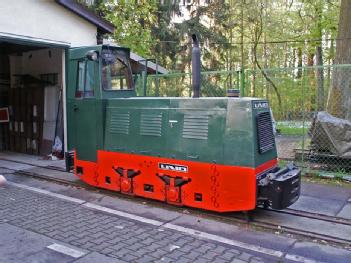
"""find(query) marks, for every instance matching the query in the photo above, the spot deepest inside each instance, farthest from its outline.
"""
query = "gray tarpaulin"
(331, 134)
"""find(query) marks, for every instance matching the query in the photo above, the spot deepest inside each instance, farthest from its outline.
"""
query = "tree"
(166, 36)
(339, 98)
(133, 21)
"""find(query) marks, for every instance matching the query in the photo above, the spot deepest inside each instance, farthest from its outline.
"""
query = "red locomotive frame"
(207, 186)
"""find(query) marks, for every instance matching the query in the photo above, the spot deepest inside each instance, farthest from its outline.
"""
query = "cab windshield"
(116, 72)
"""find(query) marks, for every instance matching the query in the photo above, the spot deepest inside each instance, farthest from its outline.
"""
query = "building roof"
(152, 67)
(85, 13)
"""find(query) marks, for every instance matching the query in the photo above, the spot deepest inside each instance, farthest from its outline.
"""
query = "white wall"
(45, 19)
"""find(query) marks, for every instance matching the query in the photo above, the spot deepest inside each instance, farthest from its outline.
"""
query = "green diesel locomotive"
(212, 153)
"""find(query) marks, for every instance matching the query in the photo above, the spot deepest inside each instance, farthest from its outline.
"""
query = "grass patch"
(286, 130)
(292, 127)
(319, 180)
(321, 177)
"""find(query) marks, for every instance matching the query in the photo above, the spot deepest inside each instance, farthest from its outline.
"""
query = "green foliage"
(133, 21)
(278, 33)
(256, 34)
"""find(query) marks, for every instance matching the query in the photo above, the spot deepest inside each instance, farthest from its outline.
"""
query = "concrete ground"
(27, 160)
(46, 222)
(325, 200)
(286, 144)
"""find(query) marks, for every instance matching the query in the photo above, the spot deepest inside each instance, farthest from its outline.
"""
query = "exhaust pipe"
(196, 67)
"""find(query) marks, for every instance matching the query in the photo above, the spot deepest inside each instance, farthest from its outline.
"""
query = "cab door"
(85, 110)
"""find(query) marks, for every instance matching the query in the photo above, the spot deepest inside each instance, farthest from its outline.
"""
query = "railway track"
(265, 219)
(335, 221)
(332, 219)
(257, 221)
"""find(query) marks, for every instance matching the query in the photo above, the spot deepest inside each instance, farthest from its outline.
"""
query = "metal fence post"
(157, 91)
(303, 119)
(242, 82)
(145, 78)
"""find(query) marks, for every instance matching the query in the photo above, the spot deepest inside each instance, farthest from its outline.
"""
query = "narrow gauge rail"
(234, 217)
(332, 219)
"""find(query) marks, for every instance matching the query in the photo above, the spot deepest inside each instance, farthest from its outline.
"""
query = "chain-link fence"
(311, 108)
(213, 84)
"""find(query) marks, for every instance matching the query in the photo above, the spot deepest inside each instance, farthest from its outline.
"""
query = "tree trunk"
(339, 97)
(319, 60)
(330, 62)
(320, 79)
(253, 74)
(286, 55)
(299, 63)
(292, 59)
(311, 102)
(242, 34)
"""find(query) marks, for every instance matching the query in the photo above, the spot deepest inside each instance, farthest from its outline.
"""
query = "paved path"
(88, 230)
(316, 198)
(325, 200)
(45, 222)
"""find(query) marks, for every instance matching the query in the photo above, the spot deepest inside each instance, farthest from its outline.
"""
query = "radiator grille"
(151, 124)
(265, 134)
(119, 123)
(195, 127)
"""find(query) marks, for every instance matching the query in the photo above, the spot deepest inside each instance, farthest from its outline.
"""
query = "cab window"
(85, 79)
(115, 71)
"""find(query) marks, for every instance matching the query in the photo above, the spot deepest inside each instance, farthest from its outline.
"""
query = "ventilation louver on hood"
(265, 136)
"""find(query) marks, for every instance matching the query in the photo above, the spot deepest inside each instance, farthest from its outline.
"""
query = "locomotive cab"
(217, 154)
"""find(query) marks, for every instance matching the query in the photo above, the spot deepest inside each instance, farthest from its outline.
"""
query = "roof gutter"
(73, 6)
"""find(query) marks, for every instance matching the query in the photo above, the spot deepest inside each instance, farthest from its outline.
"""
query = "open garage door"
(32, 90)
